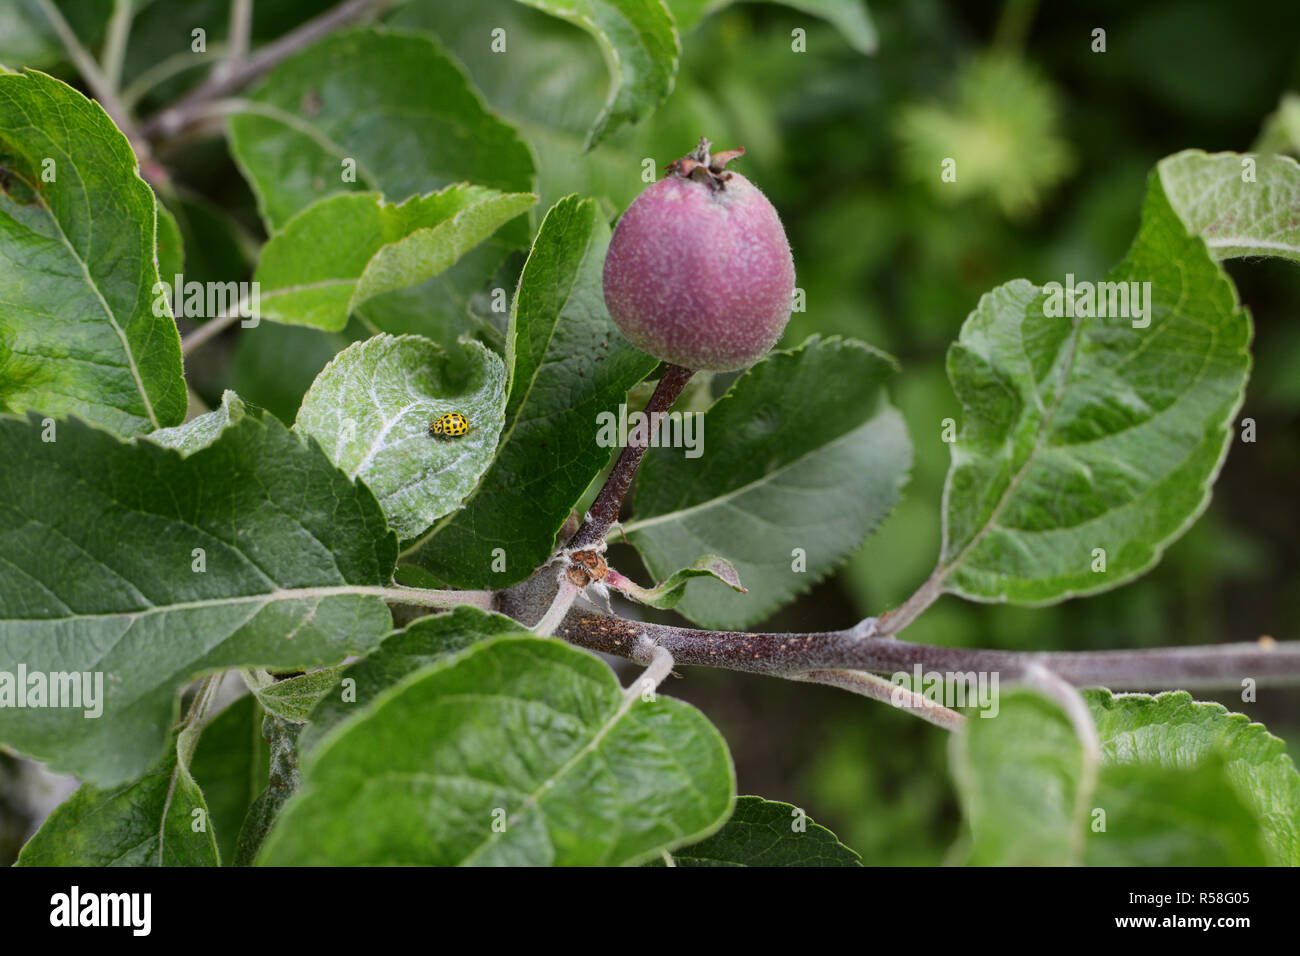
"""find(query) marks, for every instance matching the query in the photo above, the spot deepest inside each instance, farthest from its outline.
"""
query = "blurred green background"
(1054, 141)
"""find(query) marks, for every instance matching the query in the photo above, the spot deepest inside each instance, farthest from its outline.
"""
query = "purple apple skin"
(699, 274)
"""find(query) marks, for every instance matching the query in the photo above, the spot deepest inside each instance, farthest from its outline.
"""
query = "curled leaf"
(668, 592)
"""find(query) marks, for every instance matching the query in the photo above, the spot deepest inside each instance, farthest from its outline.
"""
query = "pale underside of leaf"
(567, 364)
(202, 430)
(1241, 205)
(371, 409)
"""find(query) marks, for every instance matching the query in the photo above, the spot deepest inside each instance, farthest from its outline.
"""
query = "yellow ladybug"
(451, 425)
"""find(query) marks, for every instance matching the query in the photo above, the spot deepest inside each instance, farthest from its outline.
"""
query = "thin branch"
(794, 654)
(223, 82)
(119, 29)
(207, 121)
(893, 622)
(164, 70)
(397, 594)
(103, 90)
(604, 510)
(196, 716)
(241, 27)
(887, 692)
(429, 597)
(187, 741)
(659, 664)
(560, 604)
(213, 327)
(1014, 25)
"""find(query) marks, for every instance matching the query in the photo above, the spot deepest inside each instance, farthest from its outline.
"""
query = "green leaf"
(558, 79)
(394, 103)
(1089, 444)
(371, 409)
(640, 46)
(789, 466)
(159, 820)
(158, 46)
(424, 641)
(1166, 792)
(78, 333)
(567, 363)
(230, 766)
(109, 580)
(201, 430)
(1174, 731)
(292, 699)
(1236, 218)
(450, 305)
(1281, 132)
(1157, 816)
(850, 17)
(762, 833)
(170, 246)
(667, 593)
(1021, 780)
(216, 247)
(27, 37)
(275, 365)
(345, 250)
(521, 730)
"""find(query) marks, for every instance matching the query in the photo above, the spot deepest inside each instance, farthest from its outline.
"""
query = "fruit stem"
(604, 510)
